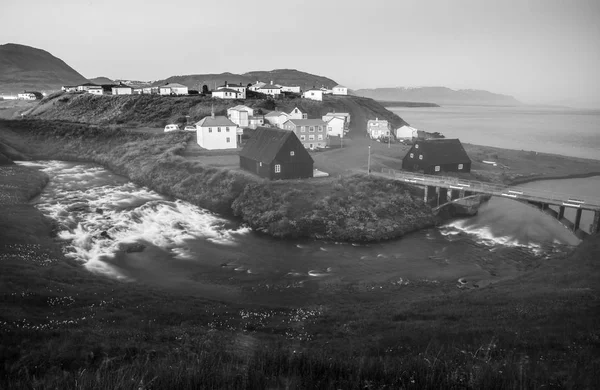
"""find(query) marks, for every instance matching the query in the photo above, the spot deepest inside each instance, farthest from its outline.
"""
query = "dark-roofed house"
(276, 154)
(437, 155)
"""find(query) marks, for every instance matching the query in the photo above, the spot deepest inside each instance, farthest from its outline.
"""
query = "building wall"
(240, 118)
(310, 139)
(256, 167)
(414, 164)
(217, 137)
(270, 91)
(96, 91)
(122, 91)
(296, 114)
(290, 89)
(340, 91)
(313, 95)
(335, 126)
(277, 121)
(179, 90)
(224, 95)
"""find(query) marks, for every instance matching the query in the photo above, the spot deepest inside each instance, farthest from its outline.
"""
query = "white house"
(297, 114)
(69, 88)
(173, 89)
(226, 93)
(216, 132)
(271, 90)
(311, 132)
(122, 89)
(240, 115)
(96, 90)
(29, 95)
(239, 88)
(336, 126)
(256, 86)
(277, 118)
(313, 94)
(284, 88)
(256, 121)
(86, 86)
(330, 115)
(378, 128)
(340, 90)
(406, 132)
(326, 91)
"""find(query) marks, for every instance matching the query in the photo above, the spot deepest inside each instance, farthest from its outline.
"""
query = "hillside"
(101, 80)
(157, 111)
(27, 68)
(439, 95)
(278, 76)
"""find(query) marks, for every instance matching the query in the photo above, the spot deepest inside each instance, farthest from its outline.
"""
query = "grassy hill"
(27, 68)
(157, 111)
(278, 76)
(102, 80)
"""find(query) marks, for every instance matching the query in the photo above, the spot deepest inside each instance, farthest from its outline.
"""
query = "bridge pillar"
(595, 228)
(544, 206)
(461, 193)
(437, 192)
(561, 212)
(443, 196)
(577, 219)
(425, 193)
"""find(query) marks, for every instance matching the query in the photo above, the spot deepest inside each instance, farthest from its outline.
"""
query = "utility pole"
(369, 161)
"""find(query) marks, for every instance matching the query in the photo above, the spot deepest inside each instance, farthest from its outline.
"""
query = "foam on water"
(98, 222)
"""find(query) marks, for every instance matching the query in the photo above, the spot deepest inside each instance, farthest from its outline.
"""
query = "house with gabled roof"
(256, 86)
(276, 154)
(84, 87)
(277, 118)
(216, 132)
(296, 113)
(406, 132)
(226, 93)
(377, 128)
(313, 94)
(240, 115)
(121, 89)
(271, 90)
(339, 90)
(173, 89)
(241, 89)
(311, 132)
(437, 155)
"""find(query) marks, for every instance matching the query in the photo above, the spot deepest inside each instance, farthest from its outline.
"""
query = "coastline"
(525, 180)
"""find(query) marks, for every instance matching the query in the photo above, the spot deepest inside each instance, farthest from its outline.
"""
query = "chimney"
(212, 111)
(226, 85)
(271, 82)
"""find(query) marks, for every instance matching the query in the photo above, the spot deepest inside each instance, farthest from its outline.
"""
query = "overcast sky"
(538, 51)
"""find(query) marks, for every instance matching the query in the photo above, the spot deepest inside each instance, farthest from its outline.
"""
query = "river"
(124, 231)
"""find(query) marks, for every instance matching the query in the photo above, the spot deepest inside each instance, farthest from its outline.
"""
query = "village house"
(378, 128)
(96, 90)
(297, 114)
(240, 115)
(30, 95)
(340, 90)
(326, 91)
(86, 86)
(313, 94)
(216, 132)
(256, 86)
(122, 89)
(69, 88)
(406, 132)
(437, 155)
(276, 154)
(277, 118)
(327, 117)
(256, 121)
(173, 89)
(241, 90)
(294, 89)
(336, 126)
(226, 93)
(311, 132)
(271, 90)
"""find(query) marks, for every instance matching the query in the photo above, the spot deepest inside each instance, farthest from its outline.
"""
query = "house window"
(437, 168)
(277, 168)
(209, 130)
(291, 153)
(329, 128)
(302, 137)
(320, 128)
(302, 129)
(460, 166)
(311, 129)
(260, 164)
(320, 137)
(420, 157)
(228, 139)
(311, 137)
(416, 146)
(227, 129)
(412, 155)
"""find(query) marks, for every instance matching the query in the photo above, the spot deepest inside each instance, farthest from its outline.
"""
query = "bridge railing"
(496, 189)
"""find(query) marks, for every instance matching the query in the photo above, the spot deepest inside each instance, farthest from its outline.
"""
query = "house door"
(311, 146)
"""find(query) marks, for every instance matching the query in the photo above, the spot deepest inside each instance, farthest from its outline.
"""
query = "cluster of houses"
(25, 95)
(225, 91)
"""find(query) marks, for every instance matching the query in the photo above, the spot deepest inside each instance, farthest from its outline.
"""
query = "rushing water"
(124, 231)
(550, 130)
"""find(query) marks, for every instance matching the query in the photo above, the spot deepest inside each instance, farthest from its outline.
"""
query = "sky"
(540, 51)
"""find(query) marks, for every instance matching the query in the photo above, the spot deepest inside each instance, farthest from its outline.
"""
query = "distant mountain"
(439, 95)
(101, 80)
(277, 76)
(27, 68)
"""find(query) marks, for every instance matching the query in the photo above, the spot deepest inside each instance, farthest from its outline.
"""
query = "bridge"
(439, 190)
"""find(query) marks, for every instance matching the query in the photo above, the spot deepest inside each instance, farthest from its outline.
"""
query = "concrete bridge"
(439, 190)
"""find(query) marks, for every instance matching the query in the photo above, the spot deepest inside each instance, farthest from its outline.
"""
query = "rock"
(79, 206)
(99, 211)
(132, 248)
(105, 234)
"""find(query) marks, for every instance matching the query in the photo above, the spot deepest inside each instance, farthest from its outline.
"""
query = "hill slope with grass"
(157, 111)
(290, 77)
(27, 68)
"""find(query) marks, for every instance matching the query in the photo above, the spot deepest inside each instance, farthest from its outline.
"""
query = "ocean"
(563, 131)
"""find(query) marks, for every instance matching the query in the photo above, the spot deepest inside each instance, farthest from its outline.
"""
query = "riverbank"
(352, 208)
(64, 327)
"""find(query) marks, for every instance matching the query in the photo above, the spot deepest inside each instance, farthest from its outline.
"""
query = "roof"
(344, 114)
(442, 151)
(266, 86)
(239, 85)
(307, 122)
(173, 85)
(209, 121)
(377, 122)
(266, 142)
(275, 113)
(313, 90)
(121, 86)
(258, 84)
(226, 90)
(295, 108)
(340, 86)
